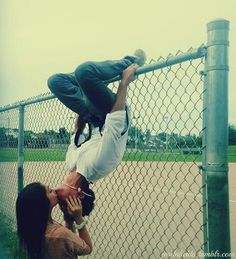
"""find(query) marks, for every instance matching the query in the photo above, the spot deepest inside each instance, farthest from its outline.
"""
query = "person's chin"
(61, 194)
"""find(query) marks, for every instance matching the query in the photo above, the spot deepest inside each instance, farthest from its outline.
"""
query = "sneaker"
(140, 57)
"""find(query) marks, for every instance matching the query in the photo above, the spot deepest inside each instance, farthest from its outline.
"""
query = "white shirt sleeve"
(71, 152)
(116, 123)
(112, 147)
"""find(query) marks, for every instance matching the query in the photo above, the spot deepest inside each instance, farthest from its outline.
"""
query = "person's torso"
(55, 245)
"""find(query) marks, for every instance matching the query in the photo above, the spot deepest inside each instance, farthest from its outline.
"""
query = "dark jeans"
(84, 91)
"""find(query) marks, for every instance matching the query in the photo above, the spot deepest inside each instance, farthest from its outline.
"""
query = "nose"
(55, 191)
(58, 194)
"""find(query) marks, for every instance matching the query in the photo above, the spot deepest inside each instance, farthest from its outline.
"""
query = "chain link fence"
(151, 206)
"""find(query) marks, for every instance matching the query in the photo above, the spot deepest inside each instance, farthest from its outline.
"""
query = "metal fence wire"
(151, 206)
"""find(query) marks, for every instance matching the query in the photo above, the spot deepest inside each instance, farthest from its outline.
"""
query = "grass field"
(10, 154)
(9, 240)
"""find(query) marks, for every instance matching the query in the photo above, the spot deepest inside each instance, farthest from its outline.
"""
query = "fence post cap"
(218, 24)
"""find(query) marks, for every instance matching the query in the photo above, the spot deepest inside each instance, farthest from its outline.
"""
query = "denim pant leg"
(67, 90)
(91, 77)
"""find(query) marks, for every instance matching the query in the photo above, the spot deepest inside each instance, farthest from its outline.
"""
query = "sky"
(40, 38)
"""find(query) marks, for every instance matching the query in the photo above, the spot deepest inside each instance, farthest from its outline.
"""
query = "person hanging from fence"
(107, 114)
(41, 237)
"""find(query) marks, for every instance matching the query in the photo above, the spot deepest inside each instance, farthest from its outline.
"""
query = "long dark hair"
(88, 201)
(32, 213)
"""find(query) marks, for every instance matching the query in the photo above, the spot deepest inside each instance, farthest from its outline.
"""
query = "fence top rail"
(172, 60)
(27, 102)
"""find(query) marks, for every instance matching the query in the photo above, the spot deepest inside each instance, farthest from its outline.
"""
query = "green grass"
(232, 153)
(8, 237)
(10, 154)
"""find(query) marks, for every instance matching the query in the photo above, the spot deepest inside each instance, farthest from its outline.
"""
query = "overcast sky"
(40, 38)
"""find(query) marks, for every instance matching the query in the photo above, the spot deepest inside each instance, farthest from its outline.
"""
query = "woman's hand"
(67, 217)
(75, 209)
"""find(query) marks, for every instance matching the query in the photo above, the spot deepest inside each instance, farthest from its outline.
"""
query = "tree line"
(137, 138)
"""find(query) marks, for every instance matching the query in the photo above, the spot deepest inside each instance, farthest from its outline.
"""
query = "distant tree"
(162, 136)
(193, 140)
(199, 141)
(28, 137)
(62, 132)
(147, 135)
(3, 137)
(50, 133)
(12, 141)
(64, 136)
(135, 135)
(2, 132)
(232, 134)
(173, 140)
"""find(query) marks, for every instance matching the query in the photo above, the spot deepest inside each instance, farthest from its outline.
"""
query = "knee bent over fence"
(171, 189)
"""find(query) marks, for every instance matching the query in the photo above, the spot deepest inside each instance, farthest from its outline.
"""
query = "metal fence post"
(216, 166)
(204, 176)
(21, 147)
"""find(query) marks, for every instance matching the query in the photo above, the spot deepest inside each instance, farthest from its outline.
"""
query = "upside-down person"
(86, 93)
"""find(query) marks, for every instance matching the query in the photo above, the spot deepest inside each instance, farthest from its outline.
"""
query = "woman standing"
(43, 238)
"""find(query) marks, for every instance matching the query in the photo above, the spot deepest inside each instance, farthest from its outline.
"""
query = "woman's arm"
(74, 208)
(84, 234)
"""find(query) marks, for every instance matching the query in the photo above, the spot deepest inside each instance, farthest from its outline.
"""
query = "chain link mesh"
(151, 206)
